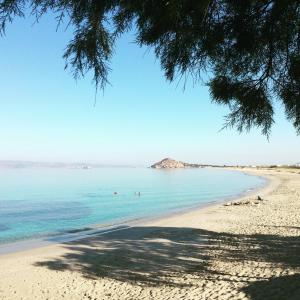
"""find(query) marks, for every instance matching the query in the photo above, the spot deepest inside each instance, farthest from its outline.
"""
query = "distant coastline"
(19, 164)
(166, 163)
(169, 163)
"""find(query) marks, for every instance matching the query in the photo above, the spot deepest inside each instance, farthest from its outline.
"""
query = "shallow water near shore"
(37, 203)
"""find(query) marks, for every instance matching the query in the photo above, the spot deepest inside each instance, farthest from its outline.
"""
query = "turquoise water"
(44, 202)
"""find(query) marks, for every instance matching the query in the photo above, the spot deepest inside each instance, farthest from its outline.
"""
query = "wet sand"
(246, 251)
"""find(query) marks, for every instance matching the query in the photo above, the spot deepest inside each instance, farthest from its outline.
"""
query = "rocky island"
(169, 163)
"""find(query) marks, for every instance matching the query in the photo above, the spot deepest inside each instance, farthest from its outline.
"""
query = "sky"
(138, 119)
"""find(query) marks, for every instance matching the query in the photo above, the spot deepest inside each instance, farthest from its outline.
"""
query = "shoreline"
(248, 252)
(101, 229)
(271, 183)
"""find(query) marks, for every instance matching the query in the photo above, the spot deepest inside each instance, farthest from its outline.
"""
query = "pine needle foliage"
(250, 48)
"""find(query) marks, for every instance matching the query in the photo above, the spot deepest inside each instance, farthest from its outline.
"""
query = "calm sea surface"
(44, 202)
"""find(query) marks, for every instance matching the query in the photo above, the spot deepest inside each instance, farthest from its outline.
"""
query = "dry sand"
(221, 252)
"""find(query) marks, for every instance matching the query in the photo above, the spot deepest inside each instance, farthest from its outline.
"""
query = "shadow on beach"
(152, 256)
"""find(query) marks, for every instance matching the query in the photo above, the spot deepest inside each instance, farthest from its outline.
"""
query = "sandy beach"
(246, 251)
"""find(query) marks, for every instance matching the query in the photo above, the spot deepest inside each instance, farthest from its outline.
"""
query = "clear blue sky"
(46, 115)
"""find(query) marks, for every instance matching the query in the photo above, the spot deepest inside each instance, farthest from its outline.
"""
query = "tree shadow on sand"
(278, 288)
(152, 256)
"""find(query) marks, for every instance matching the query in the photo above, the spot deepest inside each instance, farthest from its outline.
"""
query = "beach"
(245, 251)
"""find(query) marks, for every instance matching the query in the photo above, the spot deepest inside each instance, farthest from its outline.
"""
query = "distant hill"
(169, 163)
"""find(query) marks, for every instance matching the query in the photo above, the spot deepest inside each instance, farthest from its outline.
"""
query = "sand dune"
(221, 252)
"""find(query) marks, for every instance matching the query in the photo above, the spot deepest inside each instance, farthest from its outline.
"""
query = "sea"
(47, 202)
